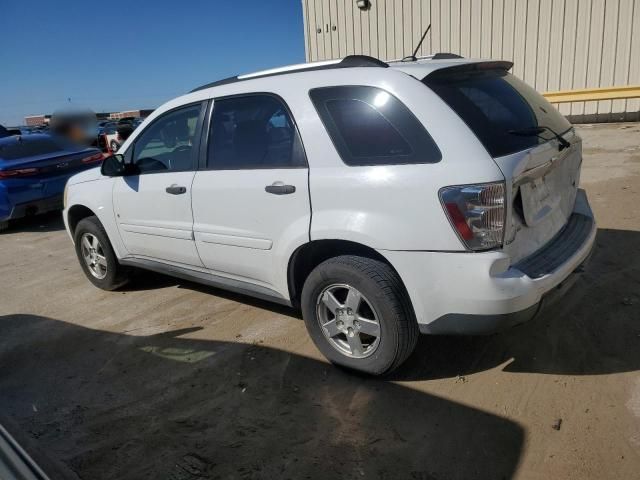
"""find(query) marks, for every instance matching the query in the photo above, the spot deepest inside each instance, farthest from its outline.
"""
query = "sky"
(119, 55)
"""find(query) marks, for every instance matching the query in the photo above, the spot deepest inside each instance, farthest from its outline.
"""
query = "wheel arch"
(311, 254)
(77, 213)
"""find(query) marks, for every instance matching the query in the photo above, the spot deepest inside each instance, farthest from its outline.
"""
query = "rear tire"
(359, 315)
(96, 256)
(4, 226)
(114, 146)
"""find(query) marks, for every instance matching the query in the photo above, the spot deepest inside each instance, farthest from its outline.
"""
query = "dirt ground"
(171, 380)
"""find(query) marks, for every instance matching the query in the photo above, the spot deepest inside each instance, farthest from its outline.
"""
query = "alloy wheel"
(348, 320)
(93, 255)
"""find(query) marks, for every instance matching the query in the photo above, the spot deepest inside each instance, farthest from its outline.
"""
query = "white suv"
(436, 196)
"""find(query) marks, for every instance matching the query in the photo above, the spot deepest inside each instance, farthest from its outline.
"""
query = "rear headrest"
(175, 132)
(250, 140)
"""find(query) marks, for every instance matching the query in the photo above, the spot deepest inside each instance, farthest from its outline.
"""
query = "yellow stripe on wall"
(591, 94)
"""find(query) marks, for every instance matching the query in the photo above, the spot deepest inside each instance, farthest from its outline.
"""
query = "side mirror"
(115, 166)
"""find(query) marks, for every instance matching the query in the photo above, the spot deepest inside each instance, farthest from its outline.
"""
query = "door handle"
(279, 188)
(176, 190)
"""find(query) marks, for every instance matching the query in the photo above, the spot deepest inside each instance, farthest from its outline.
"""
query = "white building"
(554, 44)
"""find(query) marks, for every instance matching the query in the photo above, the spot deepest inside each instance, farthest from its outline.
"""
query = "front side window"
(167, 145)
(369, 126)
(252, 132)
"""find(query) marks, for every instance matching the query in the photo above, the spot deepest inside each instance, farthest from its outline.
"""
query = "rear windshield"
(493, 103)
(29, 147)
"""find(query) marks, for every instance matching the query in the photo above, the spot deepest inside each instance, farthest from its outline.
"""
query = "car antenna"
(412, 57)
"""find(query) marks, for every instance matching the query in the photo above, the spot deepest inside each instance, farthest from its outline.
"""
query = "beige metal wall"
(554, 44)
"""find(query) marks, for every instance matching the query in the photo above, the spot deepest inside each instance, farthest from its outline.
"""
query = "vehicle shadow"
(114, 406)
(46, 222)
(592, 330)
(146, 280)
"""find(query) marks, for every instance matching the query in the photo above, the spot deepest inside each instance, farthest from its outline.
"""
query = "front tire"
(114, 146)
(4, 226)
(96, 256)
(359, 315)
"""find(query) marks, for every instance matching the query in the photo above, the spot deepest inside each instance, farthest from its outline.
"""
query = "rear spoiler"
(472, 67)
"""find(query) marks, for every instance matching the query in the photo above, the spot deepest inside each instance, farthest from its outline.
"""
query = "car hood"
(90, 175)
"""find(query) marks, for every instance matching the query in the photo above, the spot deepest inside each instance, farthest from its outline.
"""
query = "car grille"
(559, 249)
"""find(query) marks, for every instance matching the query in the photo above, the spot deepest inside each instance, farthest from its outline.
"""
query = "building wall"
(35, 120)
(554, 44)
(130, 113)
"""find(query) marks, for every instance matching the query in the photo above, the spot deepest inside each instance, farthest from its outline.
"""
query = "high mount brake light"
(476, 213)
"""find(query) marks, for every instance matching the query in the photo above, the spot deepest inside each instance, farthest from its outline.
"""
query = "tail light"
(476, 213)
(93, 158)
(18, 172)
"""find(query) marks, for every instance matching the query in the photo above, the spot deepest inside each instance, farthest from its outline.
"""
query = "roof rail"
(349, 61)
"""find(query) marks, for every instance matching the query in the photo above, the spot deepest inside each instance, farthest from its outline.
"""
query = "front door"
(251, 201)
(153, 207)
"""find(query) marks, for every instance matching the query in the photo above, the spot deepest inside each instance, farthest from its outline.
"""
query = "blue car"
(34, 170)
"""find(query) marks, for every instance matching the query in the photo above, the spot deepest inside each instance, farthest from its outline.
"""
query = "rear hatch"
(534, 146)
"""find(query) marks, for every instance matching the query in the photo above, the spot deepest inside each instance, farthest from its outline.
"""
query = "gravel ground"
(171, 380)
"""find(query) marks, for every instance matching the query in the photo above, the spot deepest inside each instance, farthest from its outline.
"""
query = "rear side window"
(253, 132)
(496, 105)
(369, 126)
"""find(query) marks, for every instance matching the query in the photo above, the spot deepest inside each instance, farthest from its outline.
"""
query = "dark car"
(6, 132)
(102, 126)
(34, 170)
(128, 120)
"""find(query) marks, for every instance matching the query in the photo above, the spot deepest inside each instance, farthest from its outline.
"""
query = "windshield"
(493, 103)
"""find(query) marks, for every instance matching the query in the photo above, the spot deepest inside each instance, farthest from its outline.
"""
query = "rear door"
(153, 208)
(517, 126)
(251, 198)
